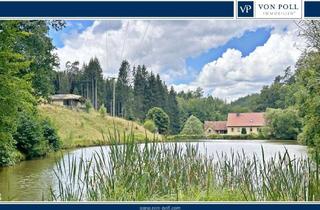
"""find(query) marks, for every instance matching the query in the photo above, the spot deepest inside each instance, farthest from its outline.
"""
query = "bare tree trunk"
(95, 94)
(87, 91)
(92, 92)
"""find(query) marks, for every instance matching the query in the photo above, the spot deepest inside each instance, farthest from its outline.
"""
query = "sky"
(228, 59)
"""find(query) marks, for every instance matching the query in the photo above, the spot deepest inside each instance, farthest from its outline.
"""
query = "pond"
(30, 180)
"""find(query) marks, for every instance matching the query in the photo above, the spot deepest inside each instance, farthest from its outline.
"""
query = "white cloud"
(163, 46)
(232, 75)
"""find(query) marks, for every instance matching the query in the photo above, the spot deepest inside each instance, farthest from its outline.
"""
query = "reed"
(157, 171)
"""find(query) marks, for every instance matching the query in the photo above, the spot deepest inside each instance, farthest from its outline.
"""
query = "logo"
(278, 9)
(245, 9)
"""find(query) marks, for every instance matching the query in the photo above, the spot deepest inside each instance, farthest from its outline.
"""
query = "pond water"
(30, 180)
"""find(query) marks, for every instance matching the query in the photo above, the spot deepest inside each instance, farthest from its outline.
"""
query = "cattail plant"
(159, 171)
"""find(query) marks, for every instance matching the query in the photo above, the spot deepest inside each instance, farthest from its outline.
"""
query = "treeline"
(26, 69)
(136, 90)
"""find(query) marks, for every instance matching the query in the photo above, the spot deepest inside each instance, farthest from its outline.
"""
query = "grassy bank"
(77, 128)
(171, 172)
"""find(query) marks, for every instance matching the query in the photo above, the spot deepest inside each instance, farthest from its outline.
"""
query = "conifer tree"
(122, 89)
(173, 112)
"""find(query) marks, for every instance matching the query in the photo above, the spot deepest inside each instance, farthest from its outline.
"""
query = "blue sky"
(217, 55)
(72, 27)
(246, 44)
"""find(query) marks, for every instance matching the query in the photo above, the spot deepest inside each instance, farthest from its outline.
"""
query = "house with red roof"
(245, 123)
(236, 124)
(215, 127)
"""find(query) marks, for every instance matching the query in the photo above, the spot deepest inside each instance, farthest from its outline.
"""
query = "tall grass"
(156, 171)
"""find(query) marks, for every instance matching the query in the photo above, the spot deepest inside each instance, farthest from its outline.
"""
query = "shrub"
(7, 149)
(29, 136)
(193, 126)
(150, 125)
(50, 134)
(102, 110)
(160, 118)
(88, 106)
(243, 131)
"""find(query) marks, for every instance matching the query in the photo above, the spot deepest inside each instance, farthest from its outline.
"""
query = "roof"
(65, 97)
(215, 125)
(246, 119)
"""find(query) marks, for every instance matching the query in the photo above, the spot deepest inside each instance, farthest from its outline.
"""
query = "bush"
(50, 134)
(150, 125)
(243, 131)
(29, 136)
(160, 118)
(88, 106)
(193, 126)
(7, 150)
(102, 110)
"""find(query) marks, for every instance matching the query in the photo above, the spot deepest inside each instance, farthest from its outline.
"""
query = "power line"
(124, 41)
(143, 38)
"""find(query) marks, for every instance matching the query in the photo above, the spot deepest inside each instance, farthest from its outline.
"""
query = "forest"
(28, 76)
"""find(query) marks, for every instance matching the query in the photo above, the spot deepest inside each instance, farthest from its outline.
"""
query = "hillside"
(79, 129)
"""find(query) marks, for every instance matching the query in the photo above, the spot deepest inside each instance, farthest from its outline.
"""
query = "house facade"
(68, 100)
(215, 127)
(236, 124)
(245, 123)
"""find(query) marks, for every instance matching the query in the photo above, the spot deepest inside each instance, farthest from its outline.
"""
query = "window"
(232, 129)
(250, 129)
(67, 102)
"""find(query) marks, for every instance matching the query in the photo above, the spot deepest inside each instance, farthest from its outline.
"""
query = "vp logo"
(245, 9)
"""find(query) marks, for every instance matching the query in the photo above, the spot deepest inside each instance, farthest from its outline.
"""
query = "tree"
(139, 88)
(173, 112)
(151, 93)
(193, 126)
(205, 108)
(37, 47)
(308, 98)
(160, 118)
(68, 81)
(26, 66)
(282, 123)
(92, 75)
(310, 30)
(15, 90)
(123, 89)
